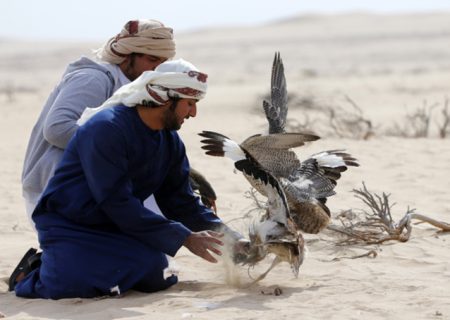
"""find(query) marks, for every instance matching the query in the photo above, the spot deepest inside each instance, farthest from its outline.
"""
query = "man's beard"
(170, 120)
(130, 71)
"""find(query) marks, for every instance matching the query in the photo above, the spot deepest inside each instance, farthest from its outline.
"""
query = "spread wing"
(217, 144)
(317, 176)
(273, 151)
(278, 209)
(276, 110)
(278, 140)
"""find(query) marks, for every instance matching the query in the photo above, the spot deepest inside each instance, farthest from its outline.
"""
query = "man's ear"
(166, 104)
(124, 64)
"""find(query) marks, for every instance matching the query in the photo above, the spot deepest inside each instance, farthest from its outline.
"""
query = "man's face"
(135, 64)
(177, 112)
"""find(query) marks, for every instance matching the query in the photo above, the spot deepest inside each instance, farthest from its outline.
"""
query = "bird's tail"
(218, 145)
(334, 162)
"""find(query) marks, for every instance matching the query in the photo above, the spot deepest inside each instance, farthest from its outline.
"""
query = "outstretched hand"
(201, 243)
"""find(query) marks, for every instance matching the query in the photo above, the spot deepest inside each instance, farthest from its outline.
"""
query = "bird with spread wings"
(276, 233)
(307, 184)
(296, 191)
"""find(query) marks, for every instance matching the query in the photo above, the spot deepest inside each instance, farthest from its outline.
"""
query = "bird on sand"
(307, 184)
(275, 233)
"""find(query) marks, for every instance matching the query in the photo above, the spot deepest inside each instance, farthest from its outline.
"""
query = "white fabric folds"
(171, 79)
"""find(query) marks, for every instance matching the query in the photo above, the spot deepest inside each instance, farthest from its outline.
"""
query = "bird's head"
(255, 250)
(290, 249)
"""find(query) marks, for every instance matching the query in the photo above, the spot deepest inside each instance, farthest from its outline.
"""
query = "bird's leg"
(275, 261)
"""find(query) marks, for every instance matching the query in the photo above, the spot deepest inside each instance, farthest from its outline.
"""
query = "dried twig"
(257, 206)
(444, 226)
(377, 226)
(417, 124)
(253, 194)
(444, 127)
(295, 125)
(419, 121)
(371, 254)
(349, 124)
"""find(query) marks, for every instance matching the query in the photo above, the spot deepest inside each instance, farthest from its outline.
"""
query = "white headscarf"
(139, 36)
(171, 79)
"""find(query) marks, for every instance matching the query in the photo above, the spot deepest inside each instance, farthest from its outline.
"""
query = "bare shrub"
(349, 121)
(305, 125)
(351, 124)
(415, 125)
(303, 102)
(444, 126)
(309, 118)
(377, 225)
(343, 122)
(295, 102)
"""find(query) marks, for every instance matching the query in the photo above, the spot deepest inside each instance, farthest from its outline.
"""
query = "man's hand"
(200, 243)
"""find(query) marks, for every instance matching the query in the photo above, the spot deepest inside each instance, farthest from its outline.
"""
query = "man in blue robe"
(97, 237)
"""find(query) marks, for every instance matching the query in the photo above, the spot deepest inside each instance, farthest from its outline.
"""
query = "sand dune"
(388, 65)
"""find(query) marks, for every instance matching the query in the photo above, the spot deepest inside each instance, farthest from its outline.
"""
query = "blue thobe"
(96, 236)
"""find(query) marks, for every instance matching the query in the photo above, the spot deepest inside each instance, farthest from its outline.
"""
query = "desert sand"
(390, 66)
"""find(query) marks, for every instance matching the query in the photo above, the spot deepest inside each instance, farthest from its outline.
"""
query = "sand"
(388, 65)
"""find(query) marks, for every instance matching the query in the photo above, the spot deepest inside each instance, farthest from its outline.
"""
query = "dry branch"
(444, 226)
(444, 127)
(371, 254)
(295, 125)
(349, 124)
(417, 123)
(258, 206)
(377, 226)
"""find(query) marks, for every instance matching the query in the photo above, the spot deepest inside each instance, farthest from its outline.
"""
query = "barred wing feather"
(276, 109)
